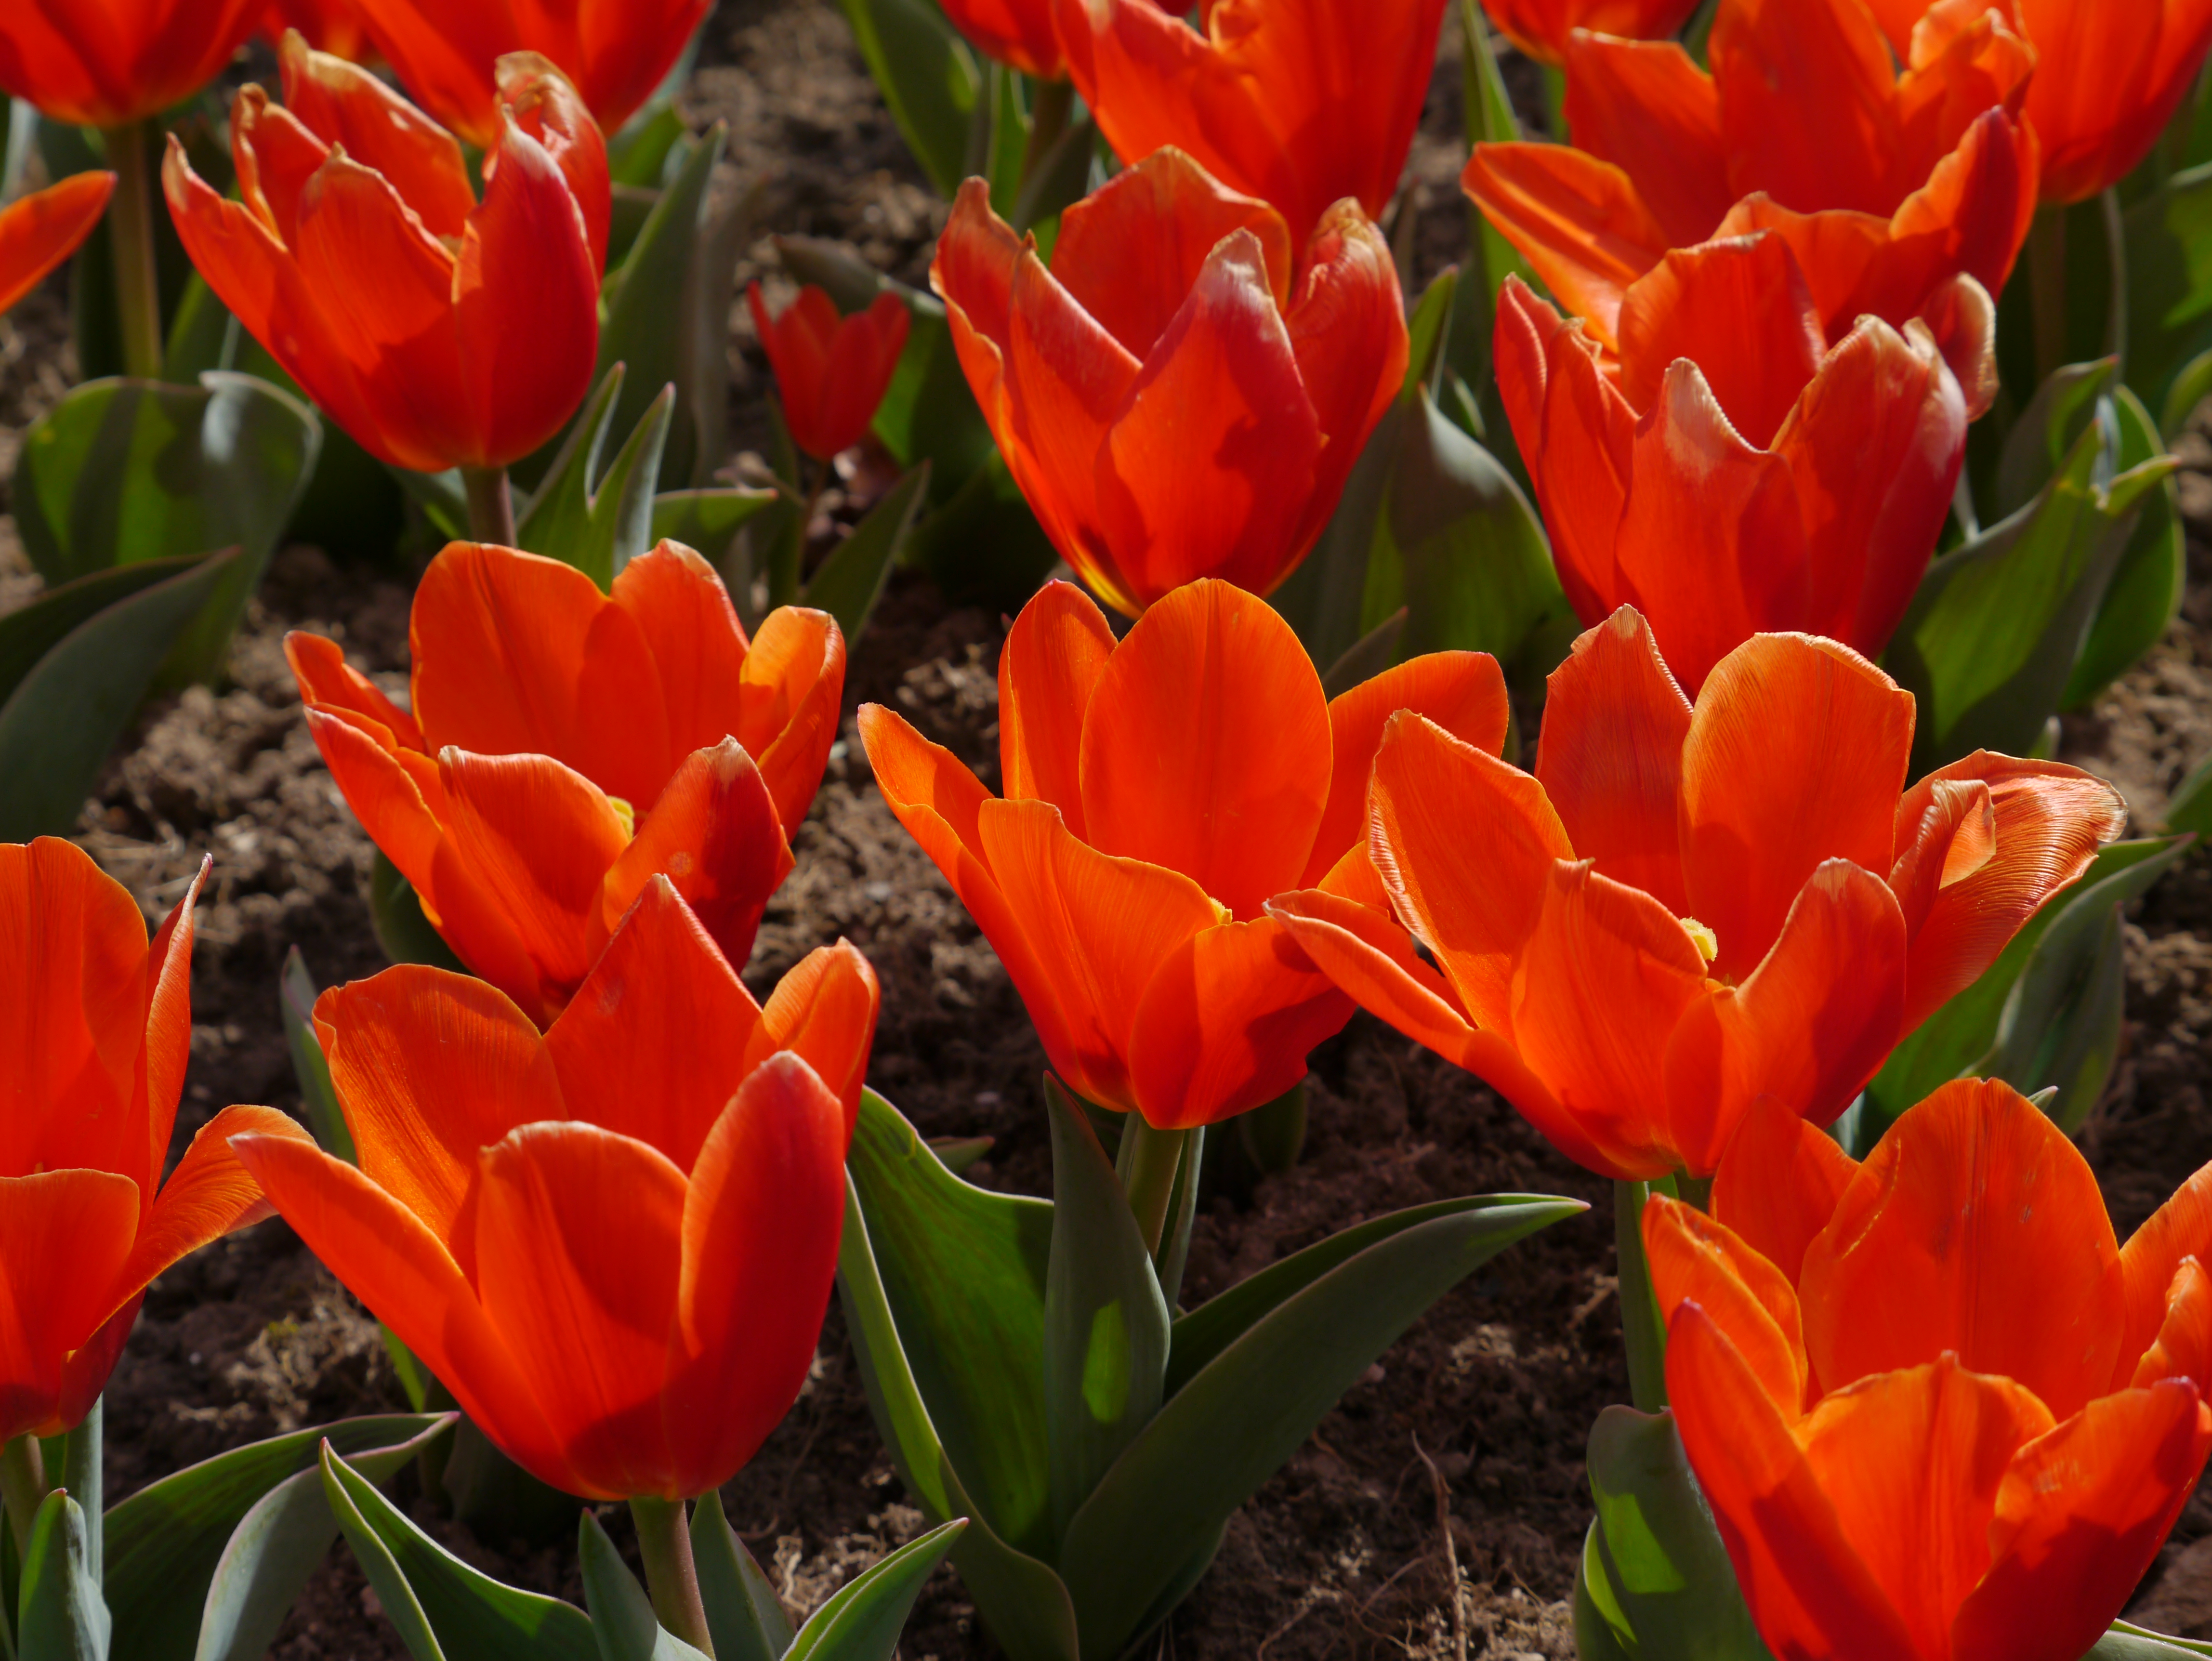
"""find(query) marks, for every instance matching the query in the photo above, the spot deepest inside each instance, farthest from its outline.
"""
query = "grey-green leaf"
(60, 1614)
(743, 1614)
(928, 77)
(295, 1000)
(395, 912)
(623, 1620)
(863, 1620)
(848, 582)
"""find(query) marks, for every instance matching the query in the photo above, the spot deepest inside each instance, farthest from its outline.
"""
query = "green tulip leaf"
(395, 912)
(75, 664)
(623, 1620)
(983, 546)
(863, 1620)
(707, 520)
(1160, 1511)
(848, 584)
(1322, 598)
(2169, 266)
(295, 1000)
(60, 1615)
(599, 521)
(2144, 596)
(2042, 440)
(1105, 1320)
(928, 77)
(1426, 330)
(2124, 1642)
(743, 1614)
(121, 472)
(441, 1606)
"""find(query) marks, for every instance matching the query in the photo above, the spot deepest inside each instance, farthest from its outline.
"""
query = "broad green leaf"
(863, 1620)
(638, 154)
(2191, 385)
(983, 546)
(83, 1474)
(706, 521)
(2144, 595)
(1425, 332)
(442, 497)
(2130, 1643)
(75, 664)
(431, 1594)
(928, 77)
(848, 582)
(623, 1620)
(1654, 1564)
(1601, 1631)
(1321, 599)
(743, 1614)
(295, 1000)
(2191, 808)
(2044, 438)
(1060, 177)
(121, 472)
(267, 1560)
(1009, 136)
(395, 912)
(1244, 1413)
(2169, 263)
(499, 1500)
(60, 1615)
(598, 522)
(1105, 1321)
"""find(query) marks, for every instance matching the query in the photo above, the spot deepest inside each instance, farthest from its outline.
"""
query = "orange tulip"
(1939, 1412)
(832, 371)
(1885, 186)
(614, 1244)
(1718, 466)
(1298, 102)
(1020, 33)
(1541, 27)
(1158, 792)
(1691, 906)
(45, 228)
(437, 332)
(615, 52)
(565, 746)
(331, 25)
(108, 62)
(1175, 399)
(2108, 78)
(97, 1027)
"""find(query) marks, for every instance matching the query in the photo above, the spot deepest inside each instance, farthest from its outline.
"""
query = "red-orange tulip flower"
(438, 331)
(2108, 78)
(1541, 27)
(1690, 906)
(1716, 464)
(1298, 102)
(615, 52)
(96, 1027)
(1939, 1412)
(45, 228)
(832, 371)
(1885, 186)
(1175, 397)
(563, 746)
(1020, 33)
(1158, 792)
(614, 1244)
(332, 26)
(107, 63)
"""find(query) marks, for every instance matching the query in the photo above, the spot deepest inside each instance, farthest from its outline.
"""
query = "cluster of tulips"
(1774, 932)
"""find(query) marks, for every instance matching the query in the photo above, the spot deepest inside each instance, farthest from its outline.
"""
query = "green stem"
(24, 1487)
(2046, 277)
(1048, 116)
(1641, 1331)
(1147, 1166)
(491, 505)
(665, 1542)
(1174, 1255)
(1555, 101)
(130, 234)
(2116, 250)
(789, 563)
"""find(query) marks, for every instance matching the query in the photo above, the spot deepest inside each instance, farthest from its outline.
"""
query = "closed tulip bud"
(96, 1026)
(1541, 27)
(614, 1244)
(832, 371)
(437, 330)
(1938, 1411)
(1017, 33)
(1158, 792)
(565, 746)
(40, 230)
(108, 62)
(1689, 906)
(1177, 396)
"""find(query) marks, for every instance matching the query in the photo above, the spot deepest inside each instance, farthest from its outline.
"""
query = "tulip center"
(627, 815)
(1709, 944)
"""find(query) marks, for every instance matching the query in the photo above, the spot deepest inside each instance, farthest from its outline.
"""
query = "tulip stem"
(24, 1487)
(1641, 1332)
(2116, 250)
(1049, 114)
(130, 238)
(1147, 1166)
(665, 1542)
(789, 564)
(491, 505)
(2046, 277)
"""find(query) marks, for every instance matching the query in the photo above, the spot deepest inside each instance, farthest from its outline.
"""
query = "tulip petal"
(1054, 657)
(1206, 746)
(168, 1041)
(578, 1239)
(386, 796)
(2050, 820)
(792, 685)
(1809, 1591)
(208, 1195)
(430, 1066)
(1778, 1182)
(1913, 1461)
(1462, 692)
(1226, 1023)
(823, 1011)
(1796, 755)
(1578, 220)
(403, 1272)
(1609, 755)
(327, 680)
(1432, 798)
(2180, 1229)
(347, 107)
(1697, 1260)
(2184, 1347)
(687, 625)
(64, 1236)
(761, 1226)
(1583, 445)
(1646, 108)
(628, 1049)
(1974, 1226)
(1807, 99)
(863, 354)
(40, 230)
(2080, 1515)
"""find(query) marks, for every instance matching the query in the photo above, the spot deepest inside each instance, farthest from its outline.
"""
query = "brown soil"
(1344, 1552)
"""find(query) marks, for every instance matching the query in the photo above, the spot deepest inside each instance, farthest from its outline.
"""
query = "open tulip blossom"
(1540, 28)
(831, 370)
(1939, 1414)
(1690, 906)
(564, 746)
